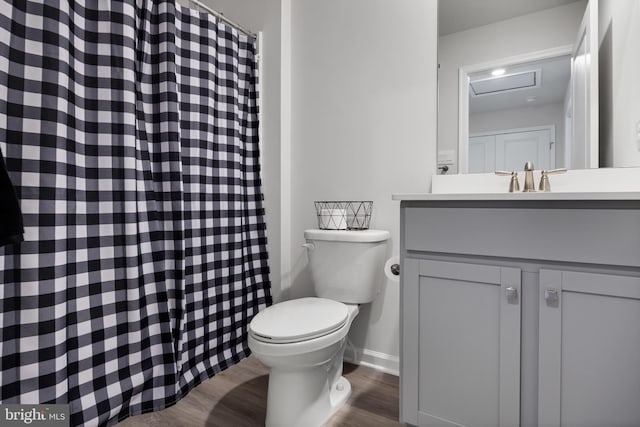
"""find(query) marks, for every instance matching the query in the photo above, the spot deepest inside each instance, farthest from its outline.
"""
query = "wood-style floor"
(237, 397)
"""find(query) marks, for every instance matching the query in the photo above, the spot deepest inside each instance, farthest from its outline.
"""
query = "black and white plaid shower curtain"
(130, 133)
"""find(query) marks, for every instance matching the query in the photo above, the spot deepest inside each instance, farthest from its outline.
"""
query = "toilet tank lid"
(361, 236)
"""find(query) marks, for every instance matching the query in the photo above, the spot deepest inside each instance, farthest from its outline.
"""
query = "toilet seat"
(298, 320)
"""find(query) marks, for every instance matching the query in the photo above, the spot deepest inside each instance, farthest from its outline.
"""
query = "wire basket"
(344, 215)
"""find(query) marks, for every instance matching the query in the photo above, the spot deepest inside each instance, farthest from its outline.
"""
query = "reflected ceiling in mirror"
(520, 86)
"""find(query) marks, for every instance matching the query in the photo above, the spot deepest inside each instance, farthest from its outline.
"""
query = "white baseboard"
(373, 359)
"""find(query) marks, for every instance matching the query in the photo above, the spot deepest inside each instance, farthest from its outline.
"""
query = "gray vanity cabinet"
(520, 313)
(589, 363)
(468, 321)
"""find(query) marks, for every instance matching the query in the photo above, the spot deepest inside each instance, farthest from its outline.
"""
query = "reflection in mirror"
(475, 36)
(488, 40)
(514, 118)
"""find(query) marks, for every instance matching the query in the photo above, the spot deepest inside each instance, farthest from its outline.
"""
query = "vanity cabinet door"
(589, 342)
(468, 344)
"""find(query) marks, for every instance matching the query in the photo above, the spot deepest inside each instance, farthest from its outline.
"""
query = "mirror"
(567, 95)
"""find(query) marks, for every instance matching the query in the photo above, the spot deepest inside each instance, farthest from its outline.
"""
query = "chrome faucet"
(529, 185)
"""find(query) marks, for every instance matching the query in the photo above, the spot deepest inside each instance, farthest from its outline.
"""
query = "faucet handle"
(514, 185)
(545, 185)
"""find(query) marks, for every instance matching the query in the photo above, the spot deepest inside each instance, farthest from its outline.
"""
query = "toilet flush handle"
(309, 246)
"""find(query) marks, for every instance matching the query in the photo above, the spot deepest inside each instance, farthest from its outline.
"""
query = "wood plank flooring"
(237, 397)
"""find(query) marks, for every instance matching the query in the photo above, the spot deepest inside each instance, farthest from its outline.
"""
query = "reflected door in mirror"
(509, 150)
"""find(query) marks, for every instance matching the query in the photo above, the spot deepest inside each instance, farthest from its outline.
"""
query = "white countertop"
(623, 195)
(583, 184)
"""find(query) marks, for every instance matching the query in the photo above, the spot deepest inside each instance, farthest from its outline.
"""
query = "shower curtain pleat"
(130, 134)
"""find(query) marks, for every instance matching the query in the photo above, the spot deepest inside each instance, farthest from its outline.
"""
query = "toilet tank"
(346, 265)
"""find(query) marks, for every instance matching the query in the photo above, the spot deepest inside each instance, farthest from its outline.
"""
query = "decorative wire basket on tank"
(344, 215)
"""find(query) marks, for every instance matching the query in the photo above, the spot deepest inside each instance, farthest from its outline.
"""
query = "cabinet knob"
(511, 293)
(551, 296)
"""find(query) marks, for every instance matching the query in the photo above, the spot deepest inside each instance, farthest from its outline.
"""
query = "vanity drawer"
(564, 233)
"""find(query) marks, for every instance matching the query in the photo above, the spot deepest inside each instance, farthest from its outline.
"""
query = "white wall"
(363, 126)
(349, 113)
(619, 75)
(514, 118)
(533, 32)
(265, 16)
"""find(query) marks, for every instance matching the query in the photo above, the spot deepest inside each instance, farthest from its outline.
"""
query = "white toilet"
(303, 340)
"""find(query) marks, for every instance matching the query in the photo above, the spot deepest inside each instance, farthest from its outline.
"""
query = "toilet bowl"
(306, 386)
(303, 340)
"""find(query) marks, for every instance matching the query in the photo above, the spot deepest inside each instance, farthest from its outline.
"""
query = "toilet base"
(307, 396)
(339, 394)
(314, 413)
